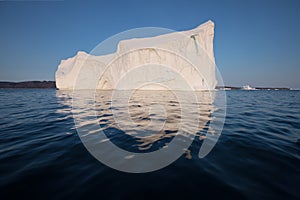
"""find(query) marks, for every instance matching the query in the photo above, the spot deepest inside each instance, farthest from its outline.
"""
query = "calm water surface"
(256, 157)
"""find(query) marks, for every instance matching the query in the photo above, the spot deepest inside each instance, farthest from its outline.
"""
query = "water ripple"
(257, 156)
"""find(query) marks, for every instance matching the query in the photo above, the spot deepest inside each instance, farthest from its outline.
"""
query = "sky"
(256, 42)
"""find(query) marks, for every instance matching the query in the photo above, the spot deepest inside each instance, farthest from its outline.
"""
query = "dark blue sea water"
(256, 157)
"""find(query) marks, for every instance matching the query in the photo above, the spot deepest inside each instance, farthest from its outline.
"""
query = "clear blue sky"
(256, 42)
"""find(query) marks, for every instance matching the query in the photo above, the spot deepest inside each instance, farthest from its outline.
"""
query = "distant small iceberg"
(247, 87)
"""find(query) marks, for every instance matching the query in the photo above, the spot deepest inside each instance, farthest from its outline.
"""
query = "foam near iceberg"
(150, 62)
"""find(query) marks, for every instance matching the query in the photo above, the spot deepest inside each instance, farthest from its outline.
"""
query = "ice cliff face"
(164, 59)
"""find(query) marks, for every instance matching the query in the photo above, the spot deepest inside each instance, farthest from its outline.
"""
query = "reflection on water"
(143, 110)
(143, 120)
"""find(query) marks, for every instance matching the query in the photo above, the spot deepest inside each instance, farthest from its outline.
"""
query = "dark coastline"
(28, 84)
(256, 88)
(52, 84)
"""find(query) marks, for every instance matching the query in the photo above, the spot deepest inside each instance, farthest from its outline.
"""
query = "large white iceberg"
(164, 59)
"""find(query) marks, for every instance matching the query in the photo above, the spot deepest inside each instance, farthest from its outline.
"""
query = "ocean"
(257, 155)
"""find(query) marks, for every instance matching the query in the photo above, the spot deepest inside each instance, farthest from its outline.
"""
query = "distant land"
(28, 84)
(51, 84)
(251, 88)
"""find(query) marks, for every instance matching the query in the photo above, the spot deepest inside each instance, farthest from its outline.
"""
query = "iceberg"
(163, 60)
